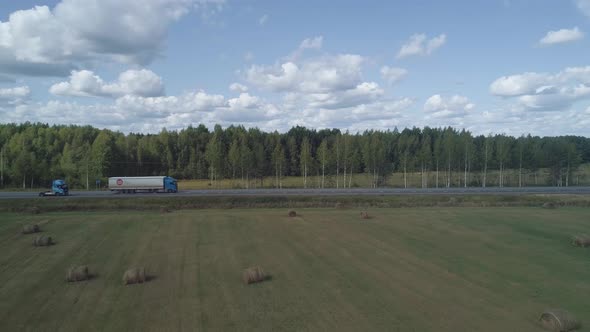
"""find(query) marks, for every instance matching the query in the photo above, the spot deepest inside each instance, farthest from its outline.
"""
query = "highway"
(320, 192)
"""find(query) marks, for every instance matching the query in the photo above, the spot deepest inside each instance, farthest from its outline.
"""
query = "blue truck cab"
(170, 185)
(60, 188)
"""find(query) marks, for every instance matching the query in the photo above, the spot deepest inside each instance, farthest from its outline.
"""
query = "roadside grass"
(396, 180)
(174, 202)
(413, 269)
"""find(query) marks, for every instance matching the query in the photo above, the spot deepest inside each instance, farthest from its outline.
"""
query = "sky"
(489, 66)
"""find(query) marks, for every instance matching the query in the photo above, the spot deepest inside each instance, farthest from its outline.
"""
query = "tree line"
(32, 154)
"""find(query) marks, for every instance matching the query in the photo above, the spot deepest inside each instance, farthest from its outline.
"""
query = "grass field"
(428, 269)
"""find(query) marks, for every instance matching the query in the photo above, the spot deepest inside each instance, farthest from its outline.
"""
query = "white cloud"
(393, 75)
(561, 36)
(317, 75)
(12, 93)
(584, 6)
(438, 106)
(262, 20)
(418, 44)
(237, 87)
(544, 91)
(131, 82)
(312, 43)
(44, 41)
(14, 96)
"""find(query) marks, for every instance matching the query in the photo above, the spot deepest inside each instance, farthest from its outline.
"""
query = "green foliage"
(35, 154)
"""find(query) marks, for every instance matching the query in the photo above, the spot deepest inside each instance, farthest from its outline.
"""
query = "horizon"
(514, 67)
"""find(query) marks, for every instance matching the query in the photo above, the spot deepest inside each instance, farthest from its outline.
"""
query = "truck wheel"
(41, 194)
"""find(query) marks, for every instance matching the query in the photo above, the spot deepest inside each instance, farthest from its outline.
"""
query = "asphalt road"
(321, 192)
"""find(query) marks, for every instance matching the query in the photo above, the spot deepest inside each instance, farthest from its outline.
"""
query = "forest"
(33, 154)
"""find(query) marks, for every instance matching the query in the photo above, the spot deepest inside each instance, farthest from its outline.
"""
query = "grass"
(174, 202)
(413, 269)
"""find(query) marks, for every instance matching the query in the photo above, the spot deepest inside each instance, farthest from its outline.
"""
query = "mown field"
(411, 269)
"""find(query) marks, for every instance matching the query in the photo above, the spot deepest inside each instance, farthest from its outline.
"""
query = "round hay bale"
(338, 205)
(253, 275)
(292, 213)
(559, 320)
(164, 209)
(42, 241)
(581, 241)
(134, 275)
(34, 210)
(364, 215)
(549, 205)
(29, 229)
(77, 273)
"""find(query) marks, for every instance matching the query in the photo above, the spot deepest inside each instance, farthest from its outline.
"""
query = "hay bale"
(77, 273)
(29, 229)
(549, 205)
(253, 275)
(164, 209)
(365, 215)
(338, 205)
(134, 275)
(34, 210)
(581, 240)
(292, 213)
(42, 241)
(559, 320)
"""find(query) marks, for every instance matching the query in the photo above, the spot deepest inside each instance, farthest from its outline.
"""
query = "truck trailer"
(134, 184)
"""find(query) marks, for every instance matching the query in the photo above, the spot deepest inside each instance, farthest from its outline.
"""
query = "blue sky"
(511, 66)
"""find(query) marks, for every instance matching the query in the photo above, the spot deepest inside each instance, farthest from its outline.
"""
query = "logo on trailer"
(119, 182)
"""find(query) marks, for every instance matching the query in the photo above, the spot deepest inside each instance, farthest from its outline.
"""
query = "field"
(411, 269)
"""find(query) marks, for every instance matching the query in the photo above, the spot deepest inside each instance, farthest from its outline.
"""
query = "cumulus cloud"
(44, 41)
(545, 91)
(419, 44)
(131, 82)
(438, 106)
(14, 96)
(237, 87)
(317, 75)
(393, 75)
(561, 36)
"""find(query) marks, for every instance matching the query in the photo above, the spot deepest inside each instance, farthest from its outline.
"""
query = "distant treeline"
(32, 154)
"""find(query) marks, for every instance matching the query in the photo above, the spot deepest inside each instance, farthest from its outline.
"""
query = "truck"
(151, 184)
(58, 188)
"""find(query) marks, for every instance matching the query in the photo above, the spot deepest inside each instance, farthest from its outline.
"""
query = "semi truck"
(134, 184)
(58, 188)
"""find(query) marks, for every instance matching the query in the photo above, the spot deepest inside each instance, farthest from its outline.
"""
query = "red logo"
(119, 182)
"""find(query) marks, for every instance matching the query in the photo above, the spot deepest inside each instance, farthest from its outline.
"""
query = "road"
(323, 192)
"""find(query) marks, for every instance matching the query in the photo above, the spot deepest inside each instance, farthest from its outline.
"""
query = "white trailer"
(133, 184)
